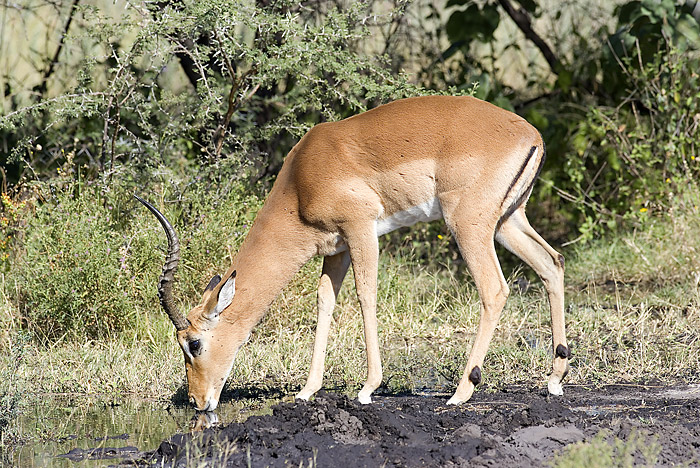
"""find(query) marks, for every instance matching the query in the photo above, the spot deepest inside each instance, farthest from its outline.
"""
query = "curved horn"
(165, 284)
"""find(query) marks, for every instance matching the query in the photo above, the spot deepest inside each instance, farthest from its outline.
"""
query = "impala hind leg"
(519, 237)
(334, 269)
(476, 245)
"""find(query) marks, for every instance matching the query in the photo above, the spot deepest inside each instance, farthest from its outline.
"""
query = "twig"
(46, 102)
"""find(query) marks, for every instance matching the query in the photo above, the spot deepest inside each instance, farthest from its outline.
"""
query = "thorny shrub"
(91, 255)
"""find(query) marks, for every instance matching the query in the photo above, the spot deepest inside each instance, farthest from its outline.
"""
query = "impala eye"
(194, 347)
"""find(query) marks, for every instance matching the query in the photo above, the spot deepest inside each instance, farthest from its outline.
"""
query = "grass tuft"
(604, 451)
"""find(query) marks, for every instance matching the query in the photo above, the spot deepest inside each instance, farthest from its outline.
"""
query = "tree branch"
(234, 102)
(41, 89)
(522, 20)
(187, 61)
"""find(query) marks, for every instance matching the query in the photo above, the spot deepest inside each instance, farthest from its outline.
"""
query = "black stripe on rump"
(526, 194)
(520, 173)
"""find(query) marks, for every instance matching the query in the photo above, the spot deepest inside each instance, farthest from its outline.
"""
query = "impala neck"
(276, 247)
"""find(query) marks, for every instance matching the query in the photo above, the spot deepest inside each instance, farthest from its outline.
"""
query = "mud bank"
(517, 426)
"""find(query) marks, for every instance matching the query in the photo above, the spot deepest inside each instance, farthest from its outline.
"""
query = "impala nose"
(211, 405)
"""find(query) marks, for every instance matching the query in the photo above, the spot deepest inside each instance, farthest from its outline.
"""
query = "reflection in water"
(61, 431)
(204, 420)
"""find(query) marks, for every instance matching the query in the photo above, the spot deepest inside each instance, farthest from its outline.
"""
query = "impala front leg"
(334, 270)
(364, 252)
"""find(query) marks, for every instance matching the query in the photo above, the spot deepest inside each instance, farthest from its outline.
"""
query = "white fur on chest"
(428, 211)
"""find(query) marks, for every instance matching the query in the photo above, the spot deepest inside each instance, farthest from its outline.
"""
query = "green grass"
(634, 303)
(624, 323)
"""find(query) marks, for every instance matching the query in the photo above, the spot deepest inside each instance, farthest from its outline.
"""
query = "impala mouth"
(210, 405)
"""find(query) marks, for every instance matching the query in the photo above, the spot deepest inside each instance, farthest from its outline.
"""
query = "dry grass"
(631, 315)
(632, 310)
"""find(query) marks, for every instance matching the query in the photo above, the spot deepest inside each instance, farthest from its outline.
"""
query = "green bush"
(604, 451)
(91, 257)
(637, 157)
(74, 273)
(210, 232)
(207, 82)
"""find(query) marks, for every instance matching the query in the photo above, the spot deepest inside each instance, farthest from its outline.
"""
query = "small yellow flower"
(643, 210)
(440, 236)
(668, 180)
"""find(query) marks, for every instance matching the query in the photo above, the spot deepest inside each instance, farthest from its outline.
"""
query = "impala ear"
(225, 296)
(216, 279)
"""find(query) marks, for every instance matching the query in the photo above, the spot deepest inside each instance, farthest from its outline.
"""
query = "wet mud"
(516, 426)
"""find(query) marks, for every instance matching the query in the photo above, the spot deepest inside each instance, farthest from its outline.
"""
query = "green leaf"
(658, 10)
(689, 28)
(538, 119)
(564, 80)
(485, 85)
(580, 142)
(473, 23)
(614, 160)
(504, 103)
(455, 26)
(492, 16)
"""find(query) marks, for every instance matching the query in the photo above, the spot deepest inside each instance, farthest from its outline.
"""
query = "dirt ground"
(517, 426)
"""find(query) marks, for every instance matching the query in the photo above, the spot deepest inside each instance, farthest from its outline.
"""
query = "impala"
(346, 183)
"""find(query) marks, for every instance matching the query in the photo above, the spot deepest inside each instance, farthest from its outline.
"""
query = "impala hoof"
(462, 394)
(364, 398)
(455, 401)
(555, 388)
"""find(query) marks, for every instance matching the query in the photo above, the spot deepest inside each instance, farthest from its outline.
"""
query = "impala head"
(208, 342)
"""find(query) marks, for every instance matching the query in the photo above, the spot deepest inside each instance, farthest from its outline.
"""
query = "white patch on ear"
(226, 295)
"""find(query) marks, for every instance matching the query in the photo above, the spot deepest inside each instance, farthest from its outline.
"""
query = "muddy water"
(87, 432)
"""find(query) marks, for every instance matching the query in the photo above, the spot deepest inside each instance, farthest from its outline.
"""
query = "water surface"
(55, 425)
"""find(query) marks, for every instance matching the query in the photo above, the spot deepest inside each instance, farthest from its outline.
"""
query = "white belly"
(428, 211)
